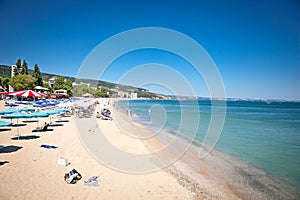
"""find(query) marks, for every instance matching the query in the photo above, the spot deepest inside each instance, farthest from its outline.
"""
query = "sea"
(262, 133)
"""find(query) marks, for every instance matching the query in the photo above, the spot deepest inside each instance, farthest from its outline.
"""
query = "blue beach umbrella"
(27, 109)
(38, 115)
(3, 123)
(8, 111)
(11, 104)
(62, 110)
(16, 115)
(51, 112)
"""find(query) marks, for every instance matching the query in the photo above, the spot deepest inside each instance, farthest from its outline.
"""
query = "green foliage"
(60, 83)
(104, 92)
(17, 69)
(22, 82)
(46, 85)
(37, 75)
(5, 71)
(24, 68)
(4, 83)
(79, 90)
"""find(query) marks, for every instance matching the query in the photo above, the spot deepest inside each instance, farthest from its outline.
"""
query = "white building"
(51, 81)
(13, 70)
(133, 95)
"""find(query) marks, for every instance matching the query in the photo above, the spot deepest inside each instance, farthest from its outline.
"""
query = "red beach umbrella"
(27, 93)
(5, 93)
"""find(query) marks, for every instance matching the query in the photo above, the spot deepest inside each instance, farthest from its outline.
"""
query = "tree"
(79, 90)
(37, 75)
(104, 92)
(24, 69)
(22, 82)
(61, 83)
(46, 85)
(17, 69)
(5, 84)
(69, 87)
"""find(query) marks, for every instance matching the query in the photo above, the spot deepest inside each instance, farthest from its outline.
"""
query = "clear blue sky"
(255, 44)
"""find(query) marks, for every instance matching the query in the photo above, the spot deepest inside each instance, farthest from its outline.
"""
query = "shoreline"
(245, 180)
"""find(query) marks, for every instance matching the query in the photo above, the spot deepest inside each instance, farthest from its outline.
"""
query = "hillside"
(5, 71)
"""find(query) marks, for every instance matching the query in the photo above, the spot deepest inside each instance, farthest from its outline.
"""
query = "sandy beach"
(31, 172)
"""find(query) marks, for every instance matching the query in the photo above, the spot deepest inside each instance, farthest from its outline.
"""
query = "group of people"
(104, 114)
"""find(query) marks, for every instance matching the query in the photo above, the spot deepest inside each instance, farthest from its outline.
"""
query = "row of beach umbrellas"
(24, 93)
(17, 114)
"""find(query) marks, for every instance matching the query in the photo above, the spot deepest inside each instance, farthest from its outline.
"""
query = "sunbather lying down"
(43, 128)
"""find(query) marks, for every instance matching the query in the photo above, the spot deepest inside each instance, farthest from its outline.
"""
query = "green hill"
(5, 71)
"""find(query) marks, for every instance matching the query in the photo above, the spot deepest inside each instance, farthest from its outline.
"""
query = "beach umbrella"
(27, 93)
(38, 115)
(4, 93)
(16, 115)
(52, 112)
(11, 104)
(27, 109)
(62, 110)
(8, 111)
(3, 123)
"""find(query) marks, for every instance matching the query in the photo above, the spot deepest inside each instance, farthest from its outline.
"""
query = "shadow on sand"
(3, 162)
(26, 137)
(53, 125)
(9, 149)
(30, 121)
(18, 125)
(5, 129)
(58, 121)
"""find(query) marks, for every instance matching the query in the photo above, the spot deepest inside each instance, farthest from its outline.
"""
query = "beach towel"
(93, 181)
(72, 177)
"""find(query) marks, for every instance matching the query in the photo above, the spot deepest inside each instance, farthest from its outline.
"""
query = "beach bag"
(72, 177)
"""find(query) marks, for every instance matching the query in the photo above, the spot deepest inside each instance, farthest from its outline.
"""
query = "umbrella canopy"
(27, 109)
(39, 114)
(5, 93)
(52, 112)
(16, 115)
(27, 93)
(62, 110)
(8, 111)
(2, 123)
(11, 104)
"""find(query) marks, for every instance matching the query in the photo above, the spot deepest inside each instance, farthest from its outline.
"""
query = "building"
(13, 70)
(51, 81)
(133, 95)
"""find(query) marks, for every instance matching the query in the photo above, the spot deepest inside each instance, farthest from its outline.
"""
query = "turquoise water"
(263, 133)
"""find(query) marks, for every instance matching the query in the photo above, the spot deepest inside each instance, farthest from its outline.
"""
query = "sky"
(254, 44)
